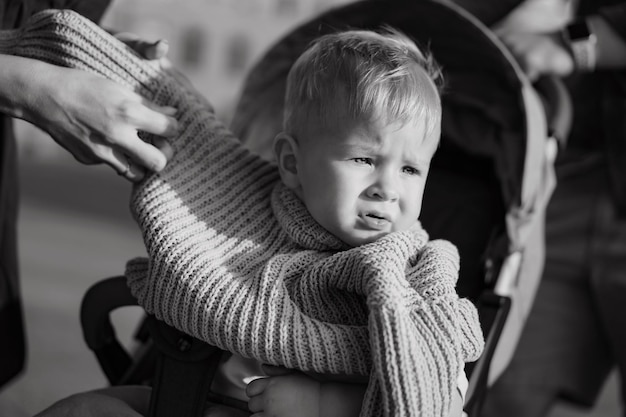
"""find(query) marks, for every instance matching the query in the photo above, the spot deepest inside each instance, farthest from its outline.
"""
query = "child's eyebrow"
(358, 147)
(416, 162)
(418, 159)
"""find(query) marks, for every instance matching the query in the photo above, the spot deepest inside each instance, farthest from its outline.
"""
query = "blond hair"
(372, 75)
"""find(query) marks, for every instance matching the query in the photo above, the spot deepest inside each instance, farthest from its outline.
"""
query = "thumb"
(156, 50)
(563, 63)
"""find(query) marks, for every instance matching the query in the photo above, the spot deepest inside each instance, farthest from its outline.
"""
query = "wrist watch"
(581, 40)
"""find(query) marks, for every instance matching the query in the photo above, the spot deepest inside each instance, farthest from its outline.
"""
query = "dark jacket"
(13, 14)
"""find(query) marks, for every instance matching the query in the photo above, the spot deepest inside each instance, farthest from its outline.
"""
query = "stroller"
(490, 177)
(488, 186)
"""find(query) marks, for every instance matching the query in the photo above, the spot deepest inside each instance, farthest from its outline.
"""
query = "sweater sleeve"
(212, 185)
(208, 159)
(437, 288)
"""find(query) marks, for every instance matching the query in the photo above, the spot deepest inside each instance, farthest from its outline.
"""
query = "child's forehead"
(373, 135)
(375, 128)
(412, 134)
(417, 109)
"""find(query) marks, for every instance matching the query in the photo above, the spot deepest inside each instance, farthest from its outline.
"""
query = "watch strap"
(581, 40)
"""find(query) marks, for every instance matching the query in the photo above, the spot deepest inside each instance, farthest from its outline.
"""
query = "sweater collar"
(297, 222)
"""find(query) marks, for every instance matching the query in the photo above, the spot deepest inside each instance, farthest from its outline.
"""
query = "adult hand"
(536, 16)
(157, 51)
(98, 120)
(95, 119)
(539, 54)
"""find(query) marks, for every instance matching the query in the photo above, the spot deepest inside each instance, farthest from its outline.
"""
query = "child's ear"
(286, 153)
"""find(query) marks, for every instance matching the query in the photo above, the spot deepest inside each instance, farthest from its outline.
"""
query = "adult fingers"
(256, 387)
(151, 118)
(131, 157)
(97, 150)
(164, 146)
(125, 167)
(141, 153)
(146, 49)
(155, 50)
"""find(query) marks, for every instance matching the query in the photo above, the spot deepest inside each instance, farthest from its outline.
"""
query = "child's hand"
(284, 393)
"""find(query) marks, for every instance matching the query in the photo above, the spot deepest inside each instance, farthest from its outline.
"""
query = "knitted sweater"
(235, 259)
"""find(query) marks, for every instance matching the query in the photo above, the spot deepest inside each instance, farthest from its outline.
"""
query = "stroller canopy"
(484, 112)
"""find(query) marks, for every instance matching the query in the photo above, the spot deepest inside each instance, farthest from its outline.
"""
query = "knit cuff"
(436, 271)
(470, 331)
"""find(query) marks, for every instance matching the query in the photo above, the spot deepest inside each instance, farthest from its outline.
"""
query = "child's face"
(366, 181)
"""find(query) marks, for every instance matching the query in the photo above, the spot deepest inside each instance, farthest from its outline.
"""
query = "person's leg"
(562, 350)
(120, 401)
(609, 284)
(136, 396)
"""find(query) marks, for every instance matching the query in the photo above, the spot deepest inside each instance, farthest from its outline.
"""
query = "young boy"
(323, 268)
(362, 122)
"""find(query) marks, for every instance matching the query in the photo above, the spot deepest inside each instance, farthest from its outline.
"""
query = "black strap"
(493, 310)
(185, 369)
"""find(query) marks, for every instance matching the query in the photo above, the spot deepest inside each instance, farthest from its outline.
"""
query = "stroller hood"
(484, 127)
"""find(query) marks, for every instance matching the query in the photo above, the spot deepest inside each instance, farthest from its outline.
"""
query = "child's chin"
(365, 238)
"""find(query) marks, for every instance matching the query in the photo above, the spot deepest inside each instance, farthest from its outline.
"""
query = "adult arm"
(543, 50)
(94, 119)
(609, 26)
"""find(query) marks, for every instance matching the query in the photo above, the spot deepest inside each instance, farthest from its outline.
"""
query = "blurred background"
(75, 228)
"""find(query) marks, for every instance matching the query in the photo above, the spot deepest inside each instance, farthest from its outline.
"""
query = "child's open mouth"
(376, 220)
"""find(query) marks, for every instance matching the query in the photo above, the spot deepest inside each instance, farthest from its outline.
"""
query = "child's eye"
(411, 171)
(363, 161)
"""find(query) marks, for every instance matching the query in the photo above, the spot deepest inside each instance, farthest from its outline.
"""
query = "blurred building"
(213, 42)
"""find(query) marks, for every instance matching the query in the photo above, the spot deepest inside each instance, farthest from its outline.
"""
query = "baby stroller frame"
(171, 359)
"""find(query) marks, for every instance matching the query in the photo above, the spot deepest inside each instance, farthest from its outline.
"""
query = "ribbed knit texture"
(235, 259)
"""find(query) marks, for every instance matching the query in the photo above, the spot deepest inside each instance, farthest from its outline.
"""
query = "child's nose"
(383, 190)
